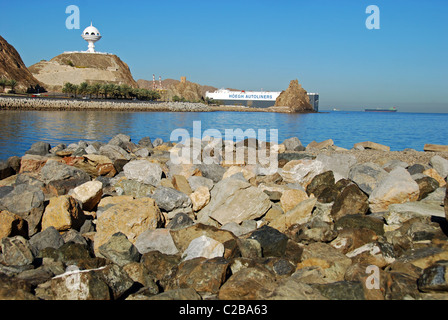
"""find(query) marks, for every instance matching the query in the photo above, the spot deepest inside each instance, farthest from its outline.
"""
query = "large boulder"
(236, 200)
(350, 201)
(143, 171)
(39, 148)
(169, 199)
(397, 187)
(28, 203)
(440, 164)
(301, 171)
(367, 176)
(131, 218)
(88, 194)
(55, 170)
(63, 213)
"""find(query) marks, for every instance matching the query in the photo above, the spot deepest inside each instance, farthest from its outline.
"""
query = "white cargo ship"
(256, 99)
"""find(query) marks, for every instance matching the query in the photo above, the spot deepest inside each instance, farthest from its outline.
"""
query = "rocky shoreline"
(46, 104)
(121, 220)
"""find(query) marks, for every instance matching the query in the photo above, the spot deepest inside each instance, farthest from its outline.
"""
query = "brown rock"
(300, 214)
(12, 225)
(295, 97)
(435, 148)
(180, 183)
(203, 275)
(62, 213)
(332, 262)
(248, 284)
(32, 163)
(371, 145)
(291, 198)
(200, 198)
(162, 267)
(350, 201)
(183, 237)
(435, 175)
(130, 218)
(88, 194)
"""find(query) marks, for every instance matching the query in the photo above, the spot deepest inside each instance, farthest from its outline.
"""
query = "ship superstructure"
(256, 99)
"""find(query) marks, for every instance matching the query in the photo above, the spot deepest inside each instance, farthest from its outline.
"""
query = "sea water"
(20, 129)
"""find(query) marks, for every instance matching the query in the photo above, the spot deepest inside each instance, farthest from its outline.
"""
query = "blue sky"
(262, 44)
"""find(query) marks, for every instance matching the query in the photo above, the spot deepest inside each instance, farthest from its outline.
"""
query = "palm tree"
(83, 88)
(95, 89)
(11, 83)
(75, 89)
(105, 89)
(67, 88)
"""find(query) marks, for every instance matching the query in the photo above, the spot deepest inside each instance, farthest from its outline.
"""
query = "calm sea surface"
(20, 129)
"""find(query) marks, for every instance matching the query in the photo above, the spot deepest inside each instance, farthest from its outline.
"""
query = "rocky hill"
(12, 67)
(82, 67)
(189, 90)
(295, 98)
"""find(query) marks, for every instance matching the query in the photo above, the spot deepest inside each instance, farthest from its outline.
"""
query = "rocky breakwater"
(65, 104)
(125, 220)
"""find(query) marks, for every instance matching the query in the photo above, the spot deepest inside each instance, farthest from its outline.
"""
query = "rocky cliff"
(295, 98)
(82, 67)
(12, 67)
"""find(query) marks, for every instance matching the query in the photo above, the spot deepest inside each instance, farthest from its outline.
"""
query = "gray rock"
(397, 187)
(400, 213)
(367, 176)
(392, 164)
(203, 246)
(157, 142)
(134, 188)
(169, 199)
(114, 152)
(341, 290)
(143, 171)
(440, 165)
(91, 149)
(236, 200)
(273, 242)
(434, 278)
(158, 239)
(119, 250)
(197, 181)
(293, 144)
(119, 139)
(16, 251)
(75, 236)
(48, 238)
(146, 142)
(179, 221)
(55, 170)
(288, 156)
(5, 190)
(416, 168)
(212, 171)
(142, 153)
(27, 202)
(39, 148)
(340, 164)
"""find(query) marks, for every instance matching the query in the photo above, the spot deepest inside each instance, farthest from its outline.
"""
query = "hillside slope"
(12, 67)
(82, 67)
